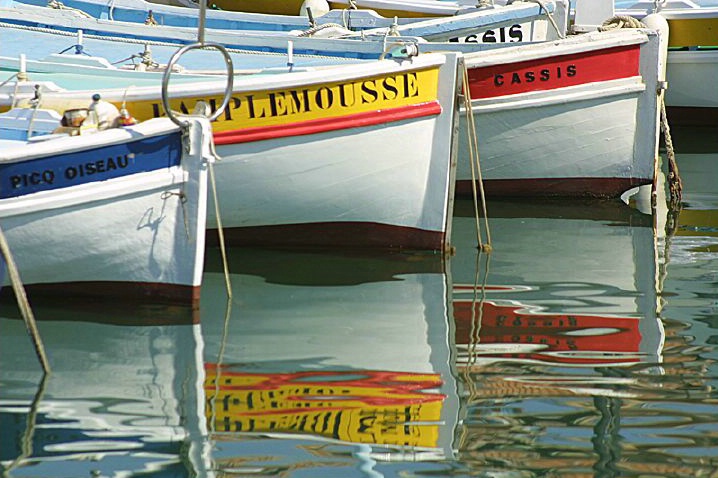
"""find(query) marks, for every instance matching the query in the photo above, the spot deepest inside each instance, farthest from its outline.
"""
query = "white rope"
(213, 183)
(220, 229)
(311, 31)
(60, 6)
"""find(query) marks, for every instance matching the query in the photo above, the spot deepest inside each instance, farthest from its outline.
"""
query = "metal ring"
(168, 72)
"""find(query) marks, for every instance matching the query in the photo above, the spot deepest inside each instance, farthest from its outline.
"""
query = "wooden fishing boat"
(172, 14)
(608, 118)
(574, 117)
(312, 158)
(519, 22)
(692, 66)
(116, 212)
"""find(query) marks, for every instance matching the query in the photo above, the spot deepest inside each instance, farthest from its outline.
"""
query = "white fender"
(656, 21)
(318, 7)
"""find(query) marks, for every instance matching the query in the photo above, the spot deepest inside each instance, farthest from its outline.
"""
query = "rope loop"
(311, 31)
(621, 21)
(168, 194)
(183, 202)
(61, 6)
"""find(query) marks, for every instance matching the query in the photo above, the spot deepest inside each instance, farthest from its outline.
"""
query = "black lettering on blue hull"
(94, 164)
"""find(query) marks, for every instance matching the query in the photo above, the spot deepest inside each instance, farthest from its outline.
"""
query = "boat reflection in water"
(558, 335)
(120, 399)
(565, 285)
(350, 364)
(360, 362)
(347, 358)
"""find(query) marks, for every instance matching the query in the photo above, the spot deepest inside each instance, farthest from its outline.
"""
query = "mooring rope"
(20, 76)
(476, 318)
(212, 402)
(475, 164)
(23, 303)
(675, 185)
(621, 21)
(220, 229)
(27, 439)
(477, 305)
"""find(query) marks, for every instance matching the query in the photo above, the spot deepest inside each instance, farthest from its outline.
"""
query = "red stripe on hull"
(617, 337)
(554, 72)
(323, 125)
(554, 187)
(354, 235)
(508, 324)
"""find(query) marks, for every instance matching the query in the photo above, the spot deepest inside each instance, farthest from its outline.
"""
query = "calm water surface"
(585, 344)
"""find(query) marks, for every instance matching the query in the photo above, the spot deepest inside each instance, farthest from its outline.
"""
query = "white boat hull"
(356, 156)
(266, 191)
(691, 79)
(692, 64)
(138, 236)
(548, 123)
